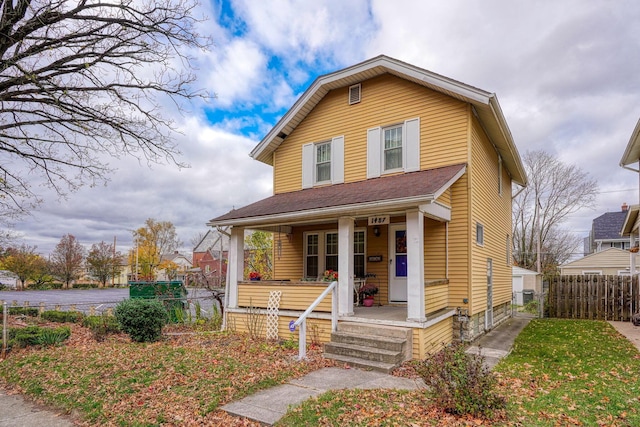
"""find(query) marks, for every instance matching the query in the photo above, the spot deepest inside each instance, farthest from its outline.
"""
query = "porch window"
(323, 162)
(331, 252)
(311, 257)
(358, 253)
(321, 253)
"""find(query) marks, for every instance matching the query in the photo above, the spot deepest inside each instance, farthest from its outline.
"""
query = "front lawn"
(181, 380)
(561, 373)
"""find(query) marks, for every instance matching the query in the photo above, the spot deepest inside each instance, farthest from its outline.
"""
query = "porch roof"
(363, 197)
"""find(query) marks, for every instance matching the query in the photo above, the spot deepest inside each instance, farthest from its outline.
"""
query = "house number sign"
(379, 220)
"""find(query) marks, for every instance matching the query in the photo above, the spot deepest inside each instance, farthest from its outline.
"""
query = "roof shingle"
(396, 187)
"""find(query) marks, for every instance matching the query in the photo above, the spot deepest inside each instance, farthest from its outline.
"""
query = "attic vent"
(354, 94)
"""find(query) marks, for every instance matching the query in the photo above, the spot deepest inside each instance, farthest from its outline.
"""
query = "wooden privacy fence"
(594, 297)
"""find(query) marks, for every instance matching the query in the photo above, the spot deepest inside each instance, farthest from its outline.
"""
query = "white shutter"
(307, 165)
(374, 153)
(337, 160)
(412, 145)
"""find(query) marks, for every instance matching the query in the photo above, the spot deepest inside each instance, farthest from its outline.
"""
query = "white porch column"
(415, 266)
(345, 266)
(235, 268)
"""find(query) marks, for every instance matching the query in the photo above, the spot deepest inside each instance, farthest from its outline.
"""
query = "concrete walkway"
(628, 330)
(268, 406)
(498, 342)
(15, 411)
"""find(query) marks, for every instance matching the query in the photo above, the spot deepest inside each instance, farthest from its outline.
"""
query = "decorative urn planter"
(368, 301)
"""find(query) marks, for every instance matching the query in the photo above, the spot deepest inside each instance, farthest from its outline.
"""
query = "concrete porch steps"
(369, 346)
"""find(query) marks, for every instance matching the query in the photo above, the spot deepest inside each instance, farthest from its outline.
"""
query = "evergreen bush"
(142, 319)
(62, 316)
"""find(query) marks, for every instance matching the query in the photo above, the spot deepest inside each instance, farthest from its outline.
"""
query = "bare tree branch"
(555, 191)
(80, 79)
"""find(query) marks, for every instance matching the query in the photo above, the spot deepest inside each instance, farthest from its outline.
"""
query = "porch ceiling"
(367, 197)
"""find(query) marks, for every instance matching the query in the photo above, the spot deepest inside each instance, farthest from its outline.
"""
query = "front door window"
(398, 263)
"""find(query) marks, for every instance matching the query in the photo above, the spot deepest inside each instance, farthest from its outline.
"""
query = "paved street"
(83, 299)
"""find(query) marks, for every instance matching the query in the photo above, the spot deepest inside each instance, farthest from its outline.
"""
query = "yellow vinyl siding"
(386, 100)
(318, 330)
(493, 211)
(294, 296)
(436, 297)
(459, 244)
(435, 250)
(432, 339)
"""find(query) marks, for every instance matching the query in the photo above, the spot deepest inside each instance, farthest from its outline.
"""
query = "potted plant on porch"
(366, 293)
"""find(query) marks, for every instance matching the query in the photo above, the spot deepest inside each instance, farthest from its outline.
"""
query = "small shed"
(526, 283)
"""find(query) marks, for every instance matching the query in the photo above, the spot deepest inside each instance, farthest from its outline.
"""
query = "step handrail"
(302, 320)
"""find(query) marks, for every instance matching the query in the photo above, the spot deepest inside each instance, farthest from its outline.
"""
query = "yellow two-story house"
(397, 178)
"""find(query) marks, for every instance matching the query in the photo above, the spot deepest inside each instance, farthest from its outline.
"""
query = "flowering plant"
(254, 275)
(368, 290)
(330, 276)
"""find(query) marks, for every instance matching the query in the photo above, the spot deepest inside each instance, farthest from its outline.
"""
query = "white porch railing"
(302, 320)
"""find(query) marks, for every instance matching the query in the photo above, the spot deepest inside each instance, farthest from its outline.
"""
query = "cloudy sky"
(567, 75)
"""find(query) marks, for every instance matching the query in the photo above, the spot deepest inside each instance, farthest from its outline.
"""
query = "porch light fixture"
(376, 231)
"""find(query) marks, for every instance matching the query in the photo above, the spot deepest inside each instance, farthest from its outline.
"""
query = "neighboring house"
(385, 169)
(8, 279)
(612, 261)
(605, 232)
(181, 264)
(631, 156)
(213, 245)
(525, 283)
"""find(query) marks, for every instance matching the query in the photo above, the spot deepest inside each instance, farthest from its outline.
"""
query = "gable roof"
(612, 257)
(361, 197)
(485, 104)
(609, 225)
(632, 152)
(519, 271)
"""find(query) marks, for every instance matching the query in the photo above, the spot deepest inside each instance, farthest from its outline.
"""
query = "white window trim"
(592, 272)
(309, 162)
(410, 148)
(322, 248)
(480, 226)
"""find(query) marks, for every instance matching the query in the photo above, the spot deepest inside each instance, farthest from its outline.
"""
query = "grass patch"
(572, 372)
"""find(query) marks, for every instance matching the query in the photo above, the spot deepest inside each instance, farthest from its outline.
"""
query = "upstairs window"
(323, 162)
(393, 148)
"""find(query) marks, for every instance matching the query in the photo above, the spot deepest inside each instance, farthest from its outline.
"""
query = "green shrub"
(142, 319)
(35, 335)
(531, 307)
(44, 286)
(85, 285)
(101, 326)
(25, 311)
(62, 316)
(50, 337)
(460, 384)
